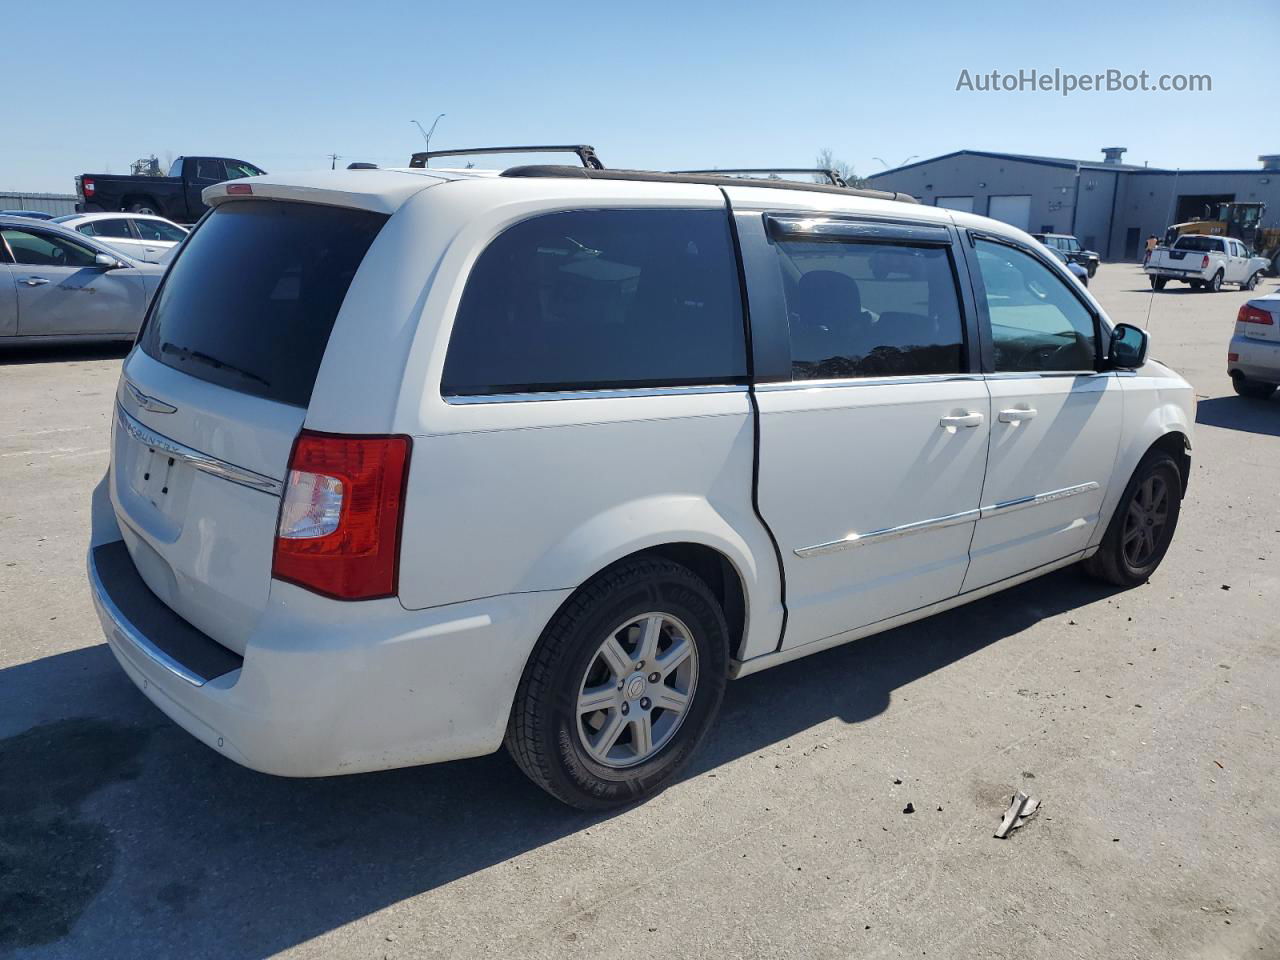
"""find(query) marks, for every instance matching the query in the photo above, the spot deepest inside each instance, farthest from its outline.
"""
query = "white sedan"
(142, 237)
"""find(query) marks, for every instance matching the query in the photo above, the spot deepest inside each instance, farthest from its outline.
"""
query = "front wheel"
(1252, 282)
(1141, 529)
(1157, 283)
(623, 685)
(1092, 268)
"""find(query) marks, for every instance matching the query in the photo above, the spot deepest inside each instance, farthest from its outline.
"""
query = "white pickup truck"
(1205, 262)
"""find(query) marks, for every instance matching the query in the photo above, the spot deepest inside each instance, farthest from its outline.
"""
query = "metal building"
(55, 203)
(1110, 205)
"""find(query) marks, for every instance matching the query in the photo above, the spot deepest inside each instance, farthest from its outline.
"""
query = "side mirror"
(108, 262)
(1128, 347)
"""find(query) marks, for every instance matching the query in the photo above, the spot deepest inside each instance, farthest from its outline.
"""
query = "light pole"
(902, 164)
(426, 134)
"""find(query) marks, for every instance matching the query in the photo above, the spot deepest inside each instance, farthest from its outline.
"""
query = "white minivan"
(411, 463)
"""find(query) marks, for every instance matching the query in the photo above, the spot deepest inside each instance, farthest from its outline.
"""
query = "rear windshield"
(251, 301)
(1199, 244)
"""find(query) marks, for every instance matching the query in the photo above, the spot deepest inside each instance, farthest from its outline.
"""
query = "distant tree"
(829, 161)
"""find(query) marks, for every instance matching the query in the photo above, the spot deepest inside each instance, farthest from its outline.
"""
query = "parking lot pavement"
(1146, 721)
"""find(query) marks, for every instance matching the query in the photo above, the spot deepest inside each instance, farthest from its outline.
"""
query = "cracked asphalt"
(1145, 720)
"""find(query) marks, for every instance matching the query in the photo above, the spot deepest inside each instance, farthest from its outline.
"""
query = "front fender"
(1157, 403)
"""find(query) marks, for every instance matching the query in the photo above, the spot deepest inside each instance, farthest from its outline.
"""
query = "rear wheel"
(1253, 389)
(1215, 284)
(145, 207)
(1142, 527)
(623, 685)
(1157, 283)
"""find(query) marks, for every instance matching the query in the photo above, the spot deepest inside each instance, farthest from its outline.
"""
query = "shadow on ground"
(15, 354)
(1241, 413)
(199, 857)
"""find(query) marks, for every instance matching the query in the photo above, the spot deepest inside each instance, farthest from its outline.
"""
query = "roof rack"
(552, 170)
(831, 175)
(587, 154)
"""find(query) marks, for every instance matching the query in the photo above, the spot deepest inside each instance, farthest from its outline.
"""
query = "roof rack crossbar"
(831, 175)
(586, 153)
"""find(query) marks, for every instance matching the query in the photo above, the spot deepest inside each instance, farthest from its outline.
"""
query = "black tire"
(1253, 389)
(146, 207)
(1157, 283)
(1092, 268)
(1215, 284)
(543, 734)
(1126, 558)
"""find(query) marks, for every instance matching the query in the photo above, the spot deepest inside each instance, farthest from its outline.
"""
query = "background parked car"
(141, 237)
(1077, 271)
(46, 272)
(1069, 246)
(176, 196)
(1253, 358)
(33, 214)
(1204, 262)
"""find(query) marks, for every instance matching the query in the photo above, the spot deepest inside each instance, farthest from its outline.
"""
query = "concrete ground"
(1146, 720)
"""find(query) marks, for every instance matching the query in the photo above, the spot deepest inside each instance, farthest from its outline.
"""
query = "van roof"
(386, 189)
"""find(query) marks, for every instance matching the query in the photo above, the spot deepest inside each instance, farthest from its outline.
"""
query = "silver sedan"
(56, 285)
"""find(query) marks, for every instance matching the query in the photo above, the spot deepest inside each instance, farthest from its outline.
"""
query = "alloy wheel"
(1145, 522)
(637, 690)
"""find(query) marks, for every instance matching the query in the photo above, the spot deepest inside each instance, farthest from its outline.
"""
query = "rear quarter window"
(251, 301)
(600, 299)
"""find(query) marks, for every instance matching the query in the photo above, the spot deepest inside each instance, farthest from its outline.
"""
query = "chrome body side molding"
(903, 530)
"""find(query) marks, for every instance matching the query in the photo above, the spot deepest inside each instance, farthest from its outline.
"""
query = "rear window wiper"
(201, 357)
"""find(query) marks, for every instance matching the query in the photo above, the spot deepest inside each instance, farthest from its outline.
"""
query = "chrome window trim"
(864, 381)
(937, 523)
(129, 632)
(597, 394)
(200, 461)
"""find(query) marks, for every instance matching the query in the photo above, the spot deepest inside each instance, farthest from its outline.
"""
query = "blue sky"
(92, 86)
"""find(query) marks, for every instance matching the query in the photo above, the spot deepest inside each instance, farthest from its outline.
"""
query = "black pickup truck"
(176, 196)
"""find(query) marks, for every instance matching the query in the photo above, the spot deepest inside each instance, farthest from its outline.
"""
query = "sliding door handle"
(1017, 414)
(961, 420)
(35, 281)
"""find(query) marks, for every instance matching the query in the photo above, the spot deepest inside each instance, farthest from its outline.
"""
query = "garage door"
(1013, 210)
(956, 203)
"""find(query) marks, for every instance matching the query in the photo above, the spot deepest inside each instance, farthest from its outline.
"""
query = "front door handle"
(960, 420)
(1017, 414)
(35, 281)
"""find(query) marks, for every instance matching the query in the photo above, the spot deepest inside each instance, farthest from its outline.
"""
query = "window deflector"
(800, 227)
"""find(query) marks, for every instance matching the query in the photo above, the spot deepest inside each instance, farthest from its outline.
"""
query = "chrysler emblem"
(149, 403)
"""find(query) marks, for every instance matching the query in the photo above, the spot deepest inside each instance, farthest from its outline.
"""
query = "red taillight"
(1232, 357)
(1204, 261)
(1250, 314)
(87, 186)
(243, 189)
(339, 530)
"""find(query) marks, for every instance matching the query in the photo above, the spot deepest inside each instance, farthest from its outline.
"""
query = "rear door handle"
(1017, 414)
(35, 281)
(961, 420)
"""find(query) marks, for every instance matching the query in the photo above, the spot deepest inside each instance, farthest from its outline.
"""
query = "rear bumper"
(1171, 273)
(1255, 359)
(326, 687)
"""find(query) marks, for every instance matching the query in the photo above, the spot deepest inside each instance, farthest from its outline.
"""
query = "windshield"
(251, 301)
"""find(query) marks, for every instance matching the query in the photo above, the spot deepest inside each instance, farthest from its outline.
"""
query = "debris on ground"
(1021, 809)
(909, 808)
